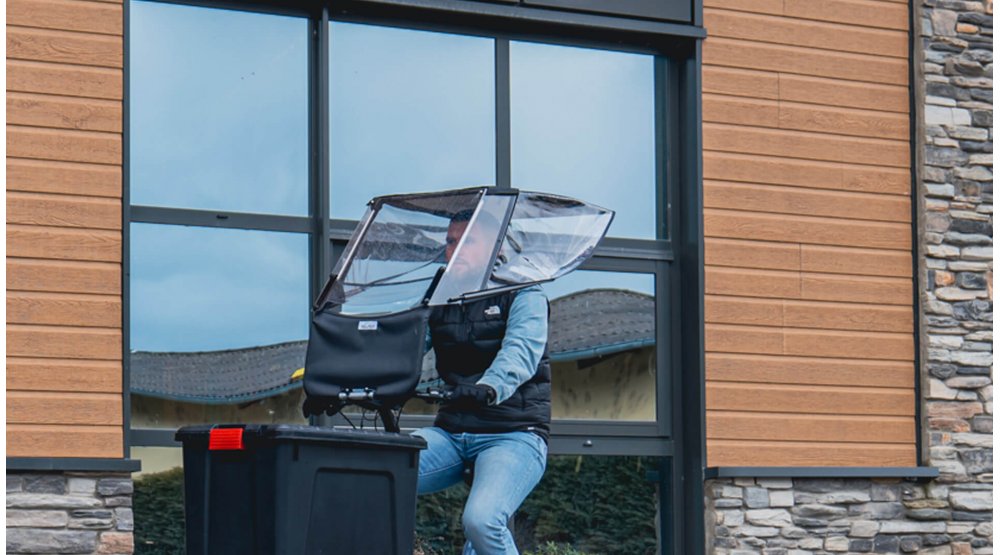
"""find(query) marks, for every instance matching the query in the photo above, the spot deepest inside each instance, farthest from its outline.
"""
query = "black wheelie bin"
(285, 489)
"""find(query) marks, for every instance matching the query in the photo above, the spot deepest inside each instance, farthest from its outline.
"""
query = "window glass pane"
(409, 111)
(582, 505)
(602, 334)
(582, 125)
(219, 120)
(219, 320)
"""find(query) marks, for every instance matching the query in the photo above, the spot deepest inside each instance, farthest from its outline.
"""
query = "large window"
(256, 139)
(230, 211)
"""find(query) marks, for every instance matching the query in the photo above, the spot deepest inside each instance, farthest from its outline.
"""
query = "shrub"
(583, 505)
(595, 504)
(551, 548)
(158, 509)
(439, 521)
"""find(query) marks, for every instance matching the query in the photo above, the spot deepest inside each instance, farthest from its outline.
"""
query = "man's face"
(476, 250)
(455, 231)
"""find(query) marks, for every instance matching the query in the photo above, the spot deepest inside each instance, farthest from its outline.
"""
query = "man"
(493, 353)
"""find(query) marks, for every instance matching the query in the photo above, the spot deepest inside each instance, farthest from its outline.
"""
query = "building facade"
(793, 512)
(804, 209)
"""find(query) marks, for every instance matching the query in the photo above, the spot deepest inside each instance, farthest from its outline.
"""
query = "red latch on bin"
(225, 439)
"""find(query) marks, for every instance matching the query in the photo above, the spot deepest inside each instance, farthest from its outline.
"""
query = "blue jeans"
(507, 468)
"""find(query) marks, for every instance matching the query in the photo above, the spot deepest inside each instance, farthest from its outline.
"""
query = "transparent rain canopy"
(440, 248)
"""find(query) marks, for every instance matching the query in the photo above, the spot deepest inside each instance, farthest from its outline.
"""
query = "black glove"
(472, 396)
(315, 406)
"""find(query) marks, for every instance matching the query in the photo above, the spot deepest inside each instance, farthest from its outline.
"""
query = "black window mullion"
(319, 167)
(642, 249)
(340, 231)
(610, 264)
(663, 120)
(582, 428)
(667, 367)
(219, 219)
(126, 252)
(502, 98)
(611, 446)
(669, 186)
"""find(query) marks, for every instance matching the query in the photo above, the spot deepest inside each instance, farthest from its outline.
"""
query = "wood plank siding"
(64, 228)
(809, 306)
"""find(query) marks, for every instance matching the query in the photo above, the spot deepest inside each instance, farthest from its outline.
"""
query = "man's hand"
(315, 406)
(472, 396)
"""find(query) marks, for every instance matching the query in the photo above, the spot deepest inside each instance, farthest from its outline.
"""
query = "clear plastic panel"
(400, 252)
(473, 255)
(548, 237)
(355, 237)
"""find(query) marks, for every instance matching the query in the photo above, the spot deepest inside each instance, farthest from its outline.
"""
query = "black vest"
(466, 339)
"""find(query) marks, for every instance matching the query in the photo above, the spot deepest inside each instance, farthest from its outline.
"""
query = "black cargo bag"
(368, 358)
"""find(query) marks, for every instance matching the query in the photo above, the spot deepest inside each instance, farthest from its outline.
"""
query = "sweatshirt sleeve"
(523, 344)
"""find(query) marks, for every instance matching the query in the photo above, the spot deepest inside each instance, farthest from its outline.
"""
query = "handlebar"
(433, 395)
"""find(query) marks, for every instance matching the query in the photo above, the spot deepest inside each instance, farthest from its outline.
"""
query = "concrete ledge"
(914, 473)
(41, 464)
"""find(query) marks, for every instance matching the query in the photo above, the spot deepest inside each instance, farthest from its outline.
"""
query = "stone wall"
(810, 516)
(953, 514)
(69, 513)
(957, 41)
(957, 198)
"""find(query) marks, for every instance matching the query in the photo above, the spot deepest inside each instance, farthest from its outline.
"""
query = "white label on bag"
(368, 325)
(493, 311)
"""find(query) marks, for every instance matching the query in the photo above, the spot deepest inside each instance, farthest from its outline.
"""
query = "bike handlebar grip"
(434, 395)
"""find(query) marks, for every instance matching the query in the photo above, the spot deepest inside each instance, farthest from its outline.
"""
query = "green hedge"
(158, 509)
(583, 506)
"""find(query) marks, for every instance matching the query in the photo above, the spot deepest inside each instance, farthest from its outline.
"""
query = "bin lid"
(255, 434)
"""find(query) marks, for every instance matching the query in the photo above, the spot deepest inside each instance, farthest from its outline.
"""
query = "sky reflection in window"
(203, 289)
(219, 109)
(582, 125)
(410, 111)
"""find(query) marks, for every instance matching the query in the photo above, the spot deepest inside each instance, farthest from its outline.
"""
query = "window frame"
(676, 259)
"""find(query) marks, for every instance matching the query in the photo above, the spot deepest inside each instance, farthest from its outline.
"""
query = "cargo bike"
(311, 489)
